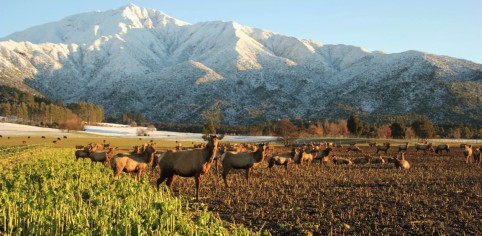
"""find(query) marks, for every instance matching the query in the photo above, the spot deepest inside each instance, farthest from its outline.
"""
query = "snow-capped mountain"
(137, 59)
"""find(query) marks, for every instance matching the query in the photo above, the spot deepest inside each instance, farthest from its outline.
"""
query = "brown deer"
(303, 156)
(133, 162)
(354, 148)
(442, 147)
(341, 161)
(403, 147)
(424, 147)
(468, 153)
(242, 160)
(188, 163)
(476, 156)
(383, 148)
(84, 153)
(282, 159)
(323, 156)
(362, 160)
(102, 156)
(377, 160)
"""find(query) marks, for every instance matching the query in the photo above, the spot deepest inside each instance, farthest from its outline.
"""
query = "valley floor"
(439, 194)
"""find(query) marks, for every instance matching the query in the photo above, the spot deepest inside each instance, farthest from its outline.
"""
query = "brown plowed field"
(439, 195)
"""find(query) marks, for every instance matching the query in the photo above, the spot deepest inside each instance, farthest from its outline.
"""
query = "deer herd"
(198, 160)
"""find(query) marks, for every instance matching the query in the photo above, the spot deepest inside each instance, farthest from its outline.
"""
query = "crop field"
(439, 195)
(45, 191)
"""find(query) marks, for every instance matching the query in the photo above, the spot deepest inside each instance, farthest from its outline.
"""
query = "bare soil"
(439, 195)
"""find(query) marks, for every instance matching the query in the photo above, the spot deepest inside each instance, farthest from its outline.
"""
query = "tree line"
(24, 108)
(406, 126)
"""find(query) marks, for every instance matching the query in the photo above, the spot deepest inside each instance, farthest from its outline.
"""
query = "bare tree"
(287, 131)
(385, 132)
(73, 123)
(151, 128)
(141, 131)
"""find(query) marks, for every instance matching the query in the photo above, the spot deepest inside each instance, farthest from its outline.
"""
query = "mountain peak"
(137, 17)
(132, 10)
(131, 6)
(140, 59)
(86, 28)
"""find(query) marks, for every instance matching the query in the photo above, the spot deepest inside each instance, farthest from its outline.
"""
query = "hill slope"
(137, 59)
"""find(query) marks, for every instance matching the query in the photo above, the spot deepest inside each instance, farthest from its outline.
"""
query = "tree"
(287, 131)
(326, 127)
(15, 96)
(423, 128)
(6, 110)
(409, 134)
(385, 132)
(73, 123)
(355, 125)
(27, 98)
(125, 118)
(59, 103)
(267, 129)
(315, 130)
(398, 129)
(369, 131)
(5, 95)
(151, 128)
(209, 128)
(213, 119)
(343, 127)
(24, 112)
(467, 132)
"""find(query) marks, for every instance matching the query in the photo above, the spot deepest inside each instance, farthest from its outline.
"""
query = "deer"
(133, 162)
(401, 163)
(188, 163)
(323, 155)
(384, 148)
(442, 147)
(242, 160)
(282, 159)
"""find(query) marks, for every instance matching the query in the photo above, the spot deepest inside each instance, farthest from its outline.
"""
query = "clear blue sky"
(452, 28)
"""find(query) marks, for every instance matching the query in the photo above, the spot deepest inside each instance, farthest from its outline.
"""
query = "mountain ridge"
(138, 59)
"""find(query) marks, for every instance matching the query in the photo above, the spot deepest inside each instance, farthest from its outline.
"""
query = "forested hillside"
(25, 108)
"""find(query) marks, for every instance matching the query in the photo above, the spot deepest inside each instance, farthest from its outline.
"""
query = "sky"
(452, 28)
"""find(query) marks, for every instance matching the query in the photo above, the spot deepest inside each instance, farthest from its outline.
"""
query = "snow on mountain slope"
(86, 28)
(137, 59)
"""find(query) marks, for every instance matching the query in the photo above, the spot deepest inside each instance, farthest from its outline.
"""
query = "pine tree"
(355, 125)
(398, 129)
